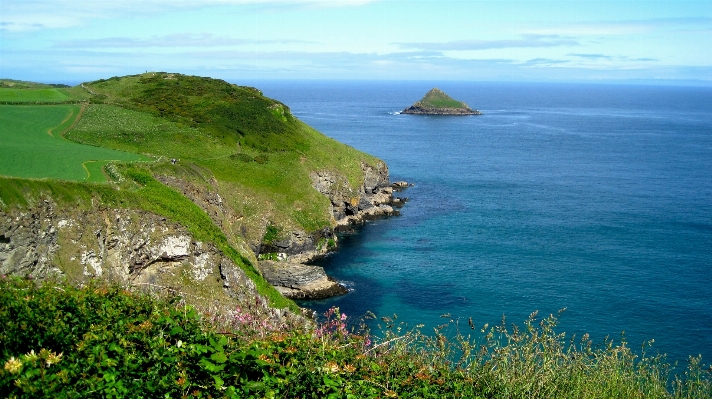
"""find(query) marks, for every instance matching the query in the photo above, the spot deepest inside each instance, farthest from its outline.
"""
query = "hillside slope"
(230, 169)
(243, 157)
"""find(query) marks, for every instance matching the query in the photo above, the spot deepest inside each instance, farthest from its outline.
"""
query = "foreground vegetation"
(102, 341)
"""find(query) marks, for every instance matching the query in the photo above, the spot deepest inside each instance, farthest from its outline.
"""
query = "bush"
(103, 341)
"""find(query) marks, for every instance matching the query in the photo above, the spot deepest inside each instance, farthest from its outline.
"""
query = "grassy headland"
(252, 145)
(228, 140)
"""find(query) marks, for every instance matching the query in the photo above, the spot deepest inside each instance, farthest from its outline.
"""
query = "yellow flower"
(13, 366)
(331, 367)
(53, 358)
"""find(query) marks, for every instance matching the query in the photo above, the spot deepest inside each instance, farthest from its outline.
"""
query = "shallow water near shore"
(594, 198)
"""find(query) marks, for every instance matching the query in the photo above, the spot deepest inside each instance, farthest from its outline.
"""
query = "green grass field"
(31, 145)
(33, 95)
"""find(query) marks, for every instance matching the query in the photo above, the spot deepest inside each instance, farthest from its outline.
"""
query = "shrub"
(103, 341)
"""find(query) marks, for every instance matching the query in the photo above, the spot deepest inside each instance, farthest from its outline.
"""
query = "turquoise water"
(593, 198)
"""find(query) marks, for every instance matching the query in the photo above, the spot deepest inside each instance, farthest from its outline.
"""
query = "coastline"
(292, 275)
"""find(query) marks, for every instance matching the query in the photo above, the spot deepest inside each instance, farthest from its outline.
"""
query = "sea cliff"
(230, 178)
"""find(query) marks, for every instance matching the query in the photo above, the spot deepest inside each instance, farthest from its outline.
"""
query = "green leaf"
(177, 330)
(218, 357)
(218, 382)
(211, 367)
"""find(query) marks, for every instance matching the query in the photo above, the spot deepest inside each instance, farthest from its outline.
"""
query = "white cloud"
(528, 41)
(167, 41)
(32, 15)
(630, 27)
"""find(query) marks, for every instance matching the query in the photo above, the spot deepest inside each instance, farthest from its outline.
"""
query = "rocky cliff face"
(207, 197)
(373, 199)
(146, 250)
(131, 247)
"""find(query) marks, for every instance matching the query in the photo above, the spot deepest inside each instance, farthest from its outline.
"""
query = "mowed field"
(35, 95)
(31, 145)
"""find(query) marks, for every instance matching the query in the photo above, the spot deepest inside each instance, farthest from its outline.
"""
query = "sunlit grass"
(32, 145)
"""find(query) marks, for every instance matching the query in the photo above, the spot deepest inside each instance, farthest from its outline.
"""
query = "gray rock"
(299, 281)
(129, 246)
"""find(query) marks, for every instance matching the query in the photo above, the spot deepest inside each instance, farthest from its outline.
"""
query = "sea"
(592, 198)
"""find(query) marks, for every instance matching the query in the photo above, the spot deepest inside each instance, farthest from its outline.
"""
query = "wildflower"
(331, 367)
(179, 343)
(349, 368)
(13, 365)
(53, 358)
(31, 356)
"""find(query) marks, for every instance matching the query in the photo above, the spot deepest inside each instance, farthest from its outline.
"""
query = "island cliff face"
(436, 102)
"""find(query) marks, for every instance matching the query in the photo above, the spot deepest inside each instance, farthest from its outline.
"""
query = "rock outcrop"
(299, 281)
(131, 247)
(436, 102)
(302, 247)
(348, 206)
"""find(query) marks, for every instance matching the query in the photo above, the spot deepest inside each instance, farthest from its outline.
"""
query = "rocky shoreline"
(290, 274)
(144, 249)
(417, 110)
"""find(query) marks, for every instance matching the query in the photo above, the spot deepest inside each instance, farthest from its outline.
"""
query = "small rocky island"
(436, 102)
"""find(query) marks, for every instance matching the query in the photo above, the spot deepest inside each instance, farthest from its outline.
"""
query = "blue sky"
(598, 41)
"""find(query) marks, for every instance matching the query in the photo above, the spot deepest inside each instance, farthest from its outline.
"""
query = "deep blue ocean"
(593, 198)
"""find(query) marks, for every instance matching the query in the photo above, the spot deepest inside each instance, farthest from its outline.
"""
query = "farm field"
(31, 145)
(34, 95)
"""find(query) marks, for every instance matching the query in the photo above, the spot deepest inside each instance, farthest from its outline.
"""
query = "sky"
(666, 42)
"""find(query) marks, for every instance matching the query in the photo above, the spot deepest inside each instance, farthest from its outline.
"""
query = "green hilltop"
(436, 98)
(242, 156)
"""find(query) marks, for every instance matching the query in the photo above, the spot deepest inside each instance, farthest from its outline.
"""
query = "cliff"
(135, 248)
(234, 179)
